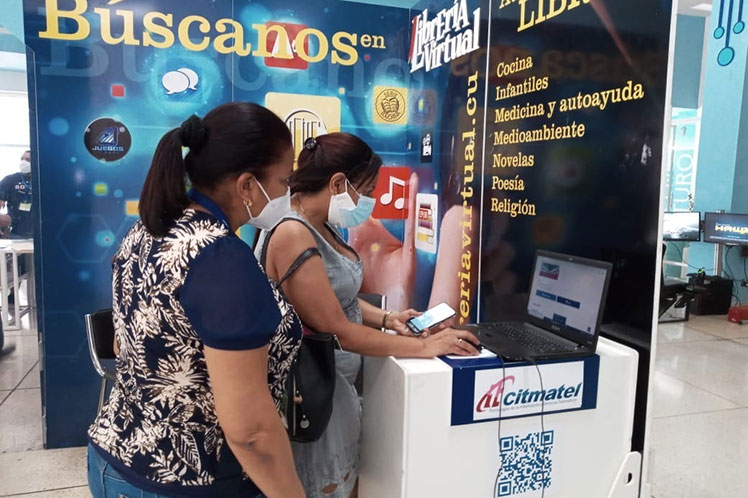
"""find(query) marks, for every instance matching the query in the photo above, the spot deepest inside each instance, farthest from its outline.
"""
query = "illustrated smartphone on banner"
(432, 317)
(428, 224)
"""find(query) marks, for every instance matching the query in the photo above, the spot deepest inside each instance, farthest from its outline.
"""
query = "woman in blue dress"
(332, 189)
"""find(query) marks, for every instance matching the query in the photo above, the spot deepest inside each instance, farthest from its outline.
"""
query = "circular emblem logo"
(304, 124)
(107, 139)
(390, 105)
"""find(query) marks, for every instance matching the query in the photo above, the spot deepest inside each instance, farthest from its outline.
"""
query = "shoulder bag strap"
(300, 259)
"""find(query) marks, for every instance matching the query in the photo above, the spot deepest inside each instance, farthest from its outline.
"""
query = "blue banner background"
(82, 202)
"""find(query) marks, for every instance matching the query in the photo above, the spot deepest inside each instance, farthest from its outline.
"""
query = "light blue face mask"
(344, 213)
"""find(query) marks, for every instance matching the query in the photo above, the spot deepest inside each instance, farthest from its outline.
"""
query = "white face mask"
(25, 167)
(344, 213)
(272, 213)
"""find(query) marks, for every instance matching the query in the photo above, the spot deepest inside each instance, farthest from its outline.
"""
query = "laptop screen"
(567, 294)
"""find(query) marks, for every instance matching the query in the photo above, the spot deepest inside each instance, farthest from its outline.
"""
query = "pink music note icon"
(387, 197)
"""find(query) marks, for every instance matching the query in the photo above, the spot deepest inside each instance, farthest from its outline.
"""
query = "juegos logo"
(107, 139)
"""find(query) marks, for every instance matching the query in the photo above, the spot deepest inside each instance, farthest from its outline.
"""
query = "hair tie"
(192, 133)
(310, 143)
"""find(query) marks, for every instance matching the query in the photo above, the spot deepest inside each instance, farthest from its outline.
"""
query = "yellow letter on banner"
(324, 46)
(184, 33)
(338, 43)
(282, 48)
(128, 31)
(54, 15)
(233, 41)
(152, 28)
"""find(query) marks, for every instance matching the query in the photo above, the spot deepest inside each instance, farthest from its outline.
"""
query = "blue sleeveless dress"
(333, 460)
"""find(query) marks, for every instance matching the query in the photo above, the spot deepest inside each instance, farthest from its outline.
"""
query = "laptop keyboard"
(520, 334)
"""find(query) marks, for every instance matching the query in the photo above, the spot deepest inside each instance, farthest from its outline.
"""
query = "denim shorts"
(105, 482)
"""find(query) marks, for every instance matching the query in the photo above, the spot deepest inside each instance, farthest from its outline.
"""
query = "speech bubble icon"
(175, 82)
(192, 76)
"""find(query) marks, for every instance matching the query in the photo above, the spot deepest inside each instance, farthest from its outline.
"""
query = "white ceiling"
(12, 61)
(687, 7)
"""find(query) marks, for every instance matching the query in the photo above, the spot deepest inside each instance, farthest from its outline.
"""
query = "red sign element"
(414, 31)
(118, 91)
(391, 193)
(492, 399)
(273, 46)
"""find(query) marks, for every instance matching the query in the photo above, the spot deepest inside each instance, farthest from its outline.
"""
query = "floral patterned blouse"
(199, 285)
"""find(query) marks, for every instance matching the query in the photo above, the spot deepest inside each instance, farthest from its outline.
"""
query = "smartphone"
(434, 316)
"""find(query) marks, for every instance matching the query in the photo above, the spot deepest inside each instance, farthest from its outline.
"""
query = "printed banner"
(112, 77)
(504, 128)
(483, 390)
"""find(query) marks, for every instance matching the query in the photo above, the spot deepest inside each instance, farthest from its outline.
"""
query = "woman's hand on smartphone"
(452, 341)
(398, 322)
(445, 325)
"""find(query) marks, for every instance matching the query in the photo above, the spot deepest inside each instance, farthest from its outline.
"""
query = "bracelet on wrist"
(386, 317)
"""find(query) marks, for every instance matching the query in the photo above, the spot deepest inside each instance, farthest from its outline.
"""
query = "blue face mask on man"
(344, 213)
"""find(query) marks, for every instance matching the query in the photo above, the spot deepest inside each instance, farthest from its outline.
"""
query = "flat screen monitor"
(726, 228)
(568, 292)
(683, 226)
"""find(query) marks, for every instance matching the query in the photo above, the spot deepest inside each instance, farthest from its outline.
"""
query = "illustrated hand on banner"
(389, 264)
(497, 254)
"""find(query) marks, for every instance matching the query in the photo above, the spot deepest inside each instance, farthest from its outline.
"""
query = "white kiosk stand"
(431, 427)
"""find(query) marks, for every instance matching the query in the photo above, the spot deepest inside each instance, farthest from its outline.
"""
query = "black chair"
(380, 302)
(674, 294)
(100, 333)
(377, 300)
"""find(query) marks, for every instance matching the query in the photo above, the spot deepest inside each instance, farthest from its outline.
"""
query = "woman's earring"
(247, 204)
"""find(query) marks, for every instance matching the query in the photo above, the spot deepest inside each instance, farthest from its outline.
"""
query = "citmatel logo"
(107, 139)
(274, 46)
(390, 105)
(518, 391)
(307, 116)
(492, 398)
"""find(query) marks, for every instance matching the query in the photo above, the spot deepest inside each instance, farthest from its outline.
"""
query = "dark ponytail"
(232, 139)
(334, 153)
(164, 194)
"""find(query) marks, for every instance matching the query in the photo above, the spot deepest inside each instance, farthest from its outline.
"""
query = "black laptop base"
(510, 349)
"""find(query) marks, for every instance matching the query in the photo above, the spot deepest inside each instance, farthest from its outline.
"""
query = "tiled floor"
(699, 433)
(25, 468)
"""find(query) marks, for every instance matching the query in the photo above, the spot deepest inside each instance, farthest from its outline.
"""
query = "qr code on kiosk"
(526, 463)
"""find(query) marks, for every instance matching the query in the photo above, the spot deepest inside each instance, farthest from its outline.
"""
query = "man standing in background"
(15, 193)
